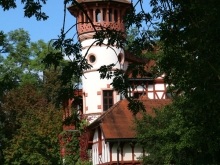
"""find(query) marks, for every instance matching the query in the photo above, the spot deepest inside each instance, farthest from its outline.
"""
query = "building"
(110, 137)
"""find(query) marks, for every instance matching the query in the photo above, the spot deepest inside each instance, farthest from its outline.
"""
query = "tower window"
(98, 15)
(104, 14)
(116, 16)
(82, 17)
(110, 15)
(107, 99)
(92, 58)
(91, 14)
(120, 58)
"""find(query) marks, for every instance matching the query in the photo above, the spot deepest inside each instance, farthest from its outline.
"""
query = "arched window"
(98, 15)
(104, 14)
(110, 15)
(91, 14)
(116, 16)
(82, 17)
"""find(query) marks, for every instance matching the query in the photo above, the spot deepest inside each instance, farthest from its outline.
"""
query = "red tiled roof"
(117, 121)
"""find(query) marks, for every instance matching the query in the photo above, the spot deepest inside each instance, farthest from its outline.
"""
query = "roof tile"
(116, 123)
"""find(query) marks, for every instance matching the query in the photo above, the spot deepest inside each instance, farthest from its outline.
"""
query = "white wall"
(91, 80)
(138, 151)
(127, 152)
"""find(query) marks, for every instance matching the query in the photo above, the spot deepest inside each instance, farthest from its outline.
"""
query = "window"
(120, 58)
(92, 59)
(107, 99)
(116, 16)
(110, 15)
(104, 14)
(82, 17)
(98, 15)
(91, 14)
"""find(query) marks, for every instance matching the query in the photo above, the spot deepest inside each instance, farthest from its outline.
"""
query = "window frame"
(108, 99)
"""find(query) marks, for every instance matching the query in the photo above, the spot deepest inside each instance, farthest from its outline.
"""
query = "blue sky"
(46, 30)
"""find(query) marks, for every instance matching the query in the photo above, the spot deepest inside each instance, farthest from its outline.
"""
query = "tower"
(98, 94)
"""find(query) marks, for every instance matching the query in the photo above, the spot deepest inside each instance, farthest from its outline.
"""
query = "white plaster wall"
(91, 85)
(104, 56)
(160, 94)
(91, 80)
(95, 137)
(150, 95)
(150, 87)
(139, 88)
(159, 86)
(138, 151)
(114, 152)
(127, 152)
(95, 154)
(105, 152)
(107, 155)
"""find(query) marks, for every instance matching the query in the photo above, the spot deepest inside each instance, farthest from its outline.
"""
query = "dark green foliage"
(31, 7)
(178, 135)
(186, 132)
(187, 35)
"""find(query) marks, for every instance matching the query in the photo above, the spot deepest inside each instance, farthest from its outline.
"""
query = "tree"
(31, 8)
(16, 61)
(190, 62)
(188, 32)
(21, 60)
(31, 127)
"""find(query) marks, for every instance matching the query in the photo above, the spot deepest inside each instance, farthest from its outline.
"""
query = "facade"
(105, 14)
(110, 137)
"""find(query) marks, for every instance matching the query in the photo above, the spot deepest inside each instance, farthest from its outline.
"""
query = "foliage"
(188, 34)
(69, 146)
(31, 126)
(83, 162)
(31, 8)
(177, 135)
(2, 43)
(73, 144)
(186, 132)
(20, 60)
(83, 141)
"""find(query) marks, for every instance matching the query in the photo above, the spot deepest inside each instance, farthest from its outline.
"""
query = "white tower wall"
(93, 86)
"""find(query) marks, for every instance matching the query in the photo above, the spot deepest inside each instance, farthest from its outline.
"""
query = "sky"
(46, 30)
